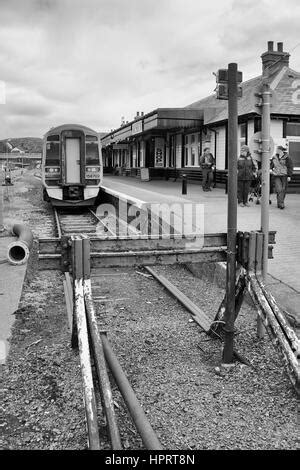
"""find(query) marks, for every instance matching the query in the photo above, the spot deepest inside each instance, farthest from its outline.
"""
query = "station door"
(72, 160)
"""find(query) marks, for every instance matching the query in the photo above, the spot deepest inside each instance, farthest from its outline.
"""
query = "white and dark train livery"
(72, 169)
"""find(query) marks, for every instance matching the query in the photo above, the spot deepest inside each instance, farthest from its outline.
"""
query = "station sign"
(222, 84)
(137, 127)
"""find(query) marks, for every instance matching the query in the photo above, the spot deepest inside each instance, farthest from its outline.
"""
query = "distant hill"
(27, 144)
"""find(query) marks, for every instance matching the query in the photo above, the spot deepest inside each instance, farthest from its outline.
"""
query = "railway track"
(84, 221)
(93, 245)
(88, 222)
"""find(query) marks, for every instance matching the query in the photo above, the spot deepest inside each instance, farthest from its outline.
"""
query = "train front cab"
(72, 168)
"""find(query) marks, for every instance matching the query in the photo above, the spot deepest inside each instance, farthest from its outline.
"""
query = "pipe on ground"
(18, 251)
(139, 417)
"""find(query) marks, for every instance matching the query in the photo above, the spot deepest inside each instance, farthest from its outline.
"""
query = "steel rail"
(271, 323)
(138, 415)
(86, 369)
(99, 358)
(199, 316)
(180, 251)
(287, 330)
(58, 226)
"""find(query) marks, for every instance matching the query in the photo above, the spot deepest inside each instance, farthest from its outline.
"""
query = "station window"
(199, 145)
(293, 129)
(192, 157)
(243, 134)
(186, 140)
(257, 124)
(186, 156)
(294, 153)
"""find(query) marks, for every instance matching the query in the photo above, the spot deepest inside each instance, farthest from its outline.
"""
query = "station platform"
(284, 269)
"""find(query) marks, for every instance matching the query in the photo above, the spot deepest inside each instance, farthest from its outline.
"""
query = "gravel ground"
(174, 368)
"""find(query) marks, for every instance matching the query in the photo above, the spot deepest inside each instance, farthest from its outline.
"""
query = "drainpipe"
(18, 251)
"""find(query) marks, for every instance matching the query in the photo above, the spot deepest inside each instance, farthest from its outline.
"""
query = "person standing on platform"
(246, 171)
(281, 170)
(207, 165)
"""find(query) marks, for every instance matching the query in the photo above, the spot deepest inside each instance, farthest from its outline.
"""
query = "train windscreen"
(52, 151)
(92, 150)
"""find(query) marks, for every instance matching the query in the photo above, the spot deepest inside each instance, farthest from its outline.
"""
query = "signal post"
(264, 97)
(228, 89)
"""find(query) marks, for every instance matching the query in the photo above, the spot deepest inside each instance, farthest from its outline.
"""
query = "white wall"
(276, 130)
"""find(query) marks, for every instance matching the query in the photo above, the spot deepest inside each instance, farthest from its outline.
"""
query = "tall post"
(231, 212)
(265, 167)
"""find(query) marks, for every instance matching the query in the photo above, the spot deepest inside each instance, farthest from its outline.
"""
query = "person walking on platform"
(246, 171)
(281, 170)
(207, 165)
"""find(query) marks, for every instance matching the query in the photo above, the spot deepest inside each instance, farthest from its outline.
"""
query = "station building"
(168, 142)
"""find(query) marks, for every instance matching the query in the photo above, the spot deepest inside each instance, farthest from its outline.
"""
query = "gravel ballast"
(192, 402)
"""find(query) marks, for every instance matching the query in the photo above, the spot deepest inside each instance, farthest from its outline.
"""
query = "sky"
(95, 62)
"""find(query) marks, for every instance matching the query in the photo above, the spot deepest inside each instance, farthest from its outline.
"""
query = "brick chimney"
(273, 61)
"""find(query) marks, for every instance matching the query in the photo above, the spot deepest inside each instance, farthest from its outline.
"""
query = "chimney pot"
(270, 45)
(280, 46)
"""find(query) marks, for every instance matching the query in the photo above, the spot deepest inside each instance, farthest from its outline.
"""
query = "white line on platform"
(130, 199)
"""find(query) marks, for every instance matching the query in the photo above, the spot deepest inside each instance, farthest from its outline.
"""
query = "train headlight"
(52, 170)
(92, 172)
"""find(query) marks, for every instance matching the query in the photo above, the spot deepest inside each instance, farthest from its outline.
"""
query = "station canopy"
(161, 119)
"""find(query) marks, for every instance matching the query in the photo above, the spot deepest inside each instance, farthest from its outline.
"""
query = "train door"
(72, 160)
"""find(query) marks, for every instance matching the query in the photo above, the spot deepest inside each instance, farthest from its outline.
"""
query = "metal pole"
(137, 413)
(231, 213)
(265, 167)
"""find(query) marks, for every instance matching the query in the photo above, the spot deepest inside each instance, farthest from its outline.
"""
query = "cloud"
(98, 60)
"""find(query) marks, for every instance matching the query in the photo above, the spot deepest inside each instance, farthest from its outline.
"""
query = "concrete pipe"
(18, 251)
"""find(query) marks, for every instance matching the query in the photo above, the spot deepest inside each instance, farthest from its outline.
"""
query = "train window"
(52, 153)
(91, 138)
(52, 138)
(92, 153)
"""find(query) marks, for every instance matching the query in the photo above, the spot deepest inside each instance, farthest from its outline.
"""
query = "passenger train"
(72, 169)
